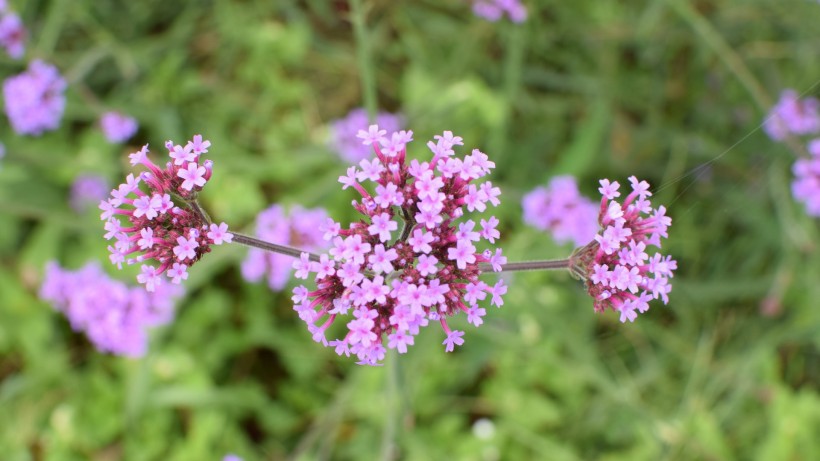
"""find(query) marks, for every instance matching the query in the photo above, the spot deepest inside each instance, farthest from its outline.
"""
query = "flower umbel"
(412, 258)
(561, 210)
(615, 268)
(165, 222)
(117, 127)
(34, 99)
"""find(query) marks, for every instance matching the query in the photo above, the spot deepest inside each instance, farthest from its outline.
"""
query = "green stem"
(365, 58)
(554, 264)
(247, 240)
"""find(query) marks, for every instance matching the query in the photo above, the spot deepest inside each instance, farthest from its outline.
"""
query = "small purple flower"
(410, 259)
(344, 131)
(806, 185)
(175, 237)
(561, 210)
(12, 34)
(791, 115)
(118, 127)
(618, 274)
(493, 10)
(113, 316)
(231, 458)
(34, 99)
(87, 190)
(303, 228)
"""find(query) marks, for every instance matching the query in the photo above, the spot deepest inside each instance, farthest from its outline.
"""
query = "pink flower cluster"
(12, 32)
(493, 10)
(173, 236)
(806, 185)
(618, 272)
(300, 228)
(561, 210)
(114, 316)
(792, 115)
(34, 99)
(117, 127)
(412, 258)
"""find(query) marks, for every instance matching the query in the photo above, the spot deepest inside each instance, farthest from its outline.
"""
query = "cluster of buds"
(411, 259)
(617, 271)
(156, 228)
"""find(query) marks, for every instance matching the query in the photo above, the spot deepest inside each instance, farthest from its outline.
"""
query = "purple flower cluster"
(493, 10)
(560, 209)
(411, 259)
(806, 185)
(344, 131)
(12, 32)
(791, 115)
(87, 190)
(118, 127)
(34, 99)
(173, 236)
(300, 228)
(113, 316)
(617, 271)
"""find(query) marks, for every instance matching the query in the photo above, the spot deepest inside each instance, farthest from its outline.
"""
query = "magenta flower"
(34, 99)
(791, 115)
(344, 131)
(411, 258)
(561, 210)
(174, 235)
(806, 185)
(12, 33)
(303, 228)
(493, 10)
(617, 271)
(118, 127)
(115, 318)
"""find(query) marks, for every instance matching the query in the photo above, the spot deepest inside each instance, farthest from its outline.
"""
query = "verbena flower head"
(412, 258)
(806, 185)
(344, 131)
(87, 190)
(493, 10)
(114, 316)
(163, 223)
(34, 99)
(791, 115)
(300, 228)
(12, 33)
(118, 127)
(617, 271)
(561, 210)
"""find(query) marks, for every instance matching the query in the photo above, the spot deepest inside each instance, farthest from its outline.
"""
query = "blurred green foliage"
(669, 90)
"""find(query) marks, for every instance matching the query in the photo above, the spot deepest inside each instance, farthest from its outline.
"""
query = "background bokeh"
(672, 91)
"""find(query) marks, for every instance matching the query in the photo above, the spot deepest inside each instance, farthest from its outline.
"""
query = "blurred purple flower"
(87, 190)
(493, 10)
(343, 133)
(303, 228)
(410, 259)
(34, 99)
(231, 458)
(118, 127)
(12, 33)
(791, 115)
(114, 316)
(806, 185)
(560, 209)
(615, 266)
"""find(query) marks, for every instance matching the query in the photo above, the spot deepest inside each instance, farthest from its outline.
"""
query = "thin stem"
(272, 247)
(555, 264)
(364, 56)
